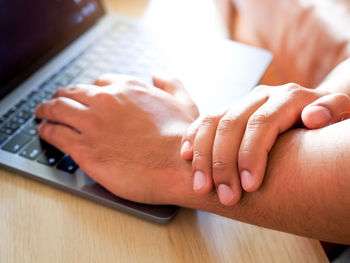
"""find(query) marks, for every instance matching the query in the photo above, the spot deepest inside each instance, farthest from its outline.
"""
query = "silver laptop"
(46, 45)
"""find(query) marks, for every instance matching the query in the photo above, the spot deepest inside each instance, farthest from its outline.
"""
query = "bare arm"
(306, 190)
(307, 37)
(127, 137)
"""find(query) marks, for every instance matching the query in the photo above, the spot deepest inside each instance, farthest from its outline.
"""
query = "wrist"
(173, 177)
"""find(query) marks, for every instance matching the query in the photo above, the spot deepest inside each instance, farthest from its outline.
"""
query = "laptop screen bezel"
(42, 60)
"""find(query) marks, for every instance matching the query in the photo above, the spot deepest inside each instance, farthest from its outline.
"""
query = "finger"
(277, 115)
(202, 155)
(60, 136)
(63, 110)
(108, 79)
(81, 93)
(326, 110)
(228, 137)
(188, 140)
(173, 86)
(111, 78)
(176, 88)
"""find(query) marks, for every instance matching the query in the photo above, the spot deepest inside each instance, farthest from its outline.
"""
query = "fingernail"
(247, 180)
(320, 115)
(225, 194)
(186, 147)
(199, 180)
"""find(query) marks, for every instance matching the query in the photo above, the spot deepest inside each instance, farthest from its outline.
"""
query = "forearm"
(226, 10)
(305, 192)
(308, 38)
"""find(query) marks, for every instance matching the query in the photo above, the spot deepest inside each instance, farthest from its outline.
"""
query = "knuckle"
(226, 125)
(104, 97)
(257, 119)
(133, 81)
(59, 103)
(199, 155)
(294, 89)
(209, 120)
(292, 86)
(221, 164)
(72, 89)
(140, 90)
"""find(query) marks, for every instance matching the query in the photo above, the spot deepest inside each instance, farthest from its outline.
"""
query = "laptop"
(46, 45)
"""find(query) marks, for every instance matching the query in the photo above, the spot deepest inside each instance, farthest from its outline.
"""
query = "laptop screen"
(33, 31)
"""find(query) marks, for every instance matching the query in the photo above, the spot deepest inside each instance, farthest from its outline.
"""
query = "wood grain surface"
(41, 224)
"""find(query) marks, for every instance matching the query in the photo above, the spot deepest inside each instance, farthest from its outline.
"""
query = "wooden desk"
(42, 224)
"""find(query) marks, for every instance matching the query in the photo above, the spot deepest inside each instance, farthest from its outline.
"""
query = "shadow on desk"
(48, 225)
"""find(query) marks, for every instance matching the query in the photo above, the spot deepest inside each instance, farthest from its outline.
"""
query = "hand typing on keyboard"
(121, 132)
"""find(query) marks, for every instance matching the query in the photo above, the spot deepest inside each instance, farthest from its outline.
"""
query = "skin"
(127, 135)
(123, 135)
(307, 37)
(230, 150)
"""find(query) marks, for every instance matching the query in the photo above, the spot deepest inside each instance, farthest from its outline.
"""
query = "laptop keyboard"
(121, 49)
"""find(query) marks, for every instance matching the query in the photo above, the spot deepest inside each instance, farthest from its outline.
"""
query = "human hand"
(124, 134)
(230, 149)
(326, 110)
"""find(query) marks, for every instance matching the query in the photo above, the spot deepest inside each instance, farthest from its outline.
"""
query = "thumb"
(176, 89)
(171, 86)
(326, 110)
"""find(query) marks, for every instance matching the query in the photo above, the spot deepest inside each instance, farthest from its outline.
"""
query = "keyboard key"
(53, 88)
(51, 156)
(67, 165)
(31, 104)
(15, 119)
(32, 94)
(86, 79)
(12, 125)
(94, 73)
(31, 129)
(26, 113)
(99, 49)
(16, 143)
(91, 57)
(33, 150)
(8, 113)
(74, 71)
(44, 85)
(20, 104)
(5, 129)
(2, 139)
(83, 64)
(103, 65)
(64, 80)
(38, 99)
